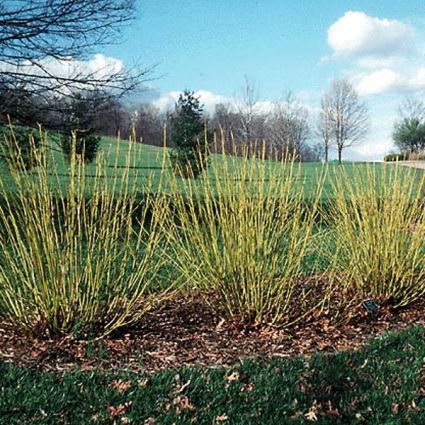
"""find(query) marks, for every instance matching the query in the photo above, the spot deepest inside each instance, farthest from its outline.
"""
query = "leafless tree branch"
(349, 116)
(34, 34)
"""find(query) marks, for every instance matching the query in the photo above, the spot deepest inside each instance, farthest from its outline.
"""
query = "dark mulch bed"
(185, 332)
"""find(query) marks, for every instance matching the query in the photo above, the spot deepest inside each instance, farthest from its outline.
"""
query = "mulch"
(184, 332)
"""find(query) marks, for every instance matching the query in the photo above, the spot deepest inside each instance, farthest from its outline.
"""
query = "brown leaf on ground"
(183, 387)
(115, 411)
(120, 386)
(143, 382)
(234, 376)
(184, 333)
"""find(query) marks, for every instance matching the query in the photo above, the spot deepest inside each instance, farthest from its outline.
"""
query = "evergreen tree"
(189, 141)
(78, 129)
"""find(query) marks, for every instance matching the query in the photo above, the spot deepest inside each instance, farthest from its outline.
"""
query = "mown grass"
(382, 383)
(148, 166)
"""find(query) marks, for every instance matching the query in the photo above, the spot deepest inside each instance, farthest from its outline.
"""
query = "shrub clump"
(391, 157)
(378, 222)
(242, 237)
(73, 257)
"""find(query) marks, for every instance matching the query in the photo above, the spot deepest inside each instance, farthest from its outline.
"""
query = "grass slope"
(147, 165)
(384, 383)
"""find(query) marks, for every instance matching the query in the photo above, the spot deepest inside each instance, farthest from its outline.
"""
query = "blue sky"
(296, 45)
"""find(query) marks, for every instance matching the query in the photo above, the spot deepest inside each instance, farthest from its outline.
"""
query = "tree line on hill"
(284, 126)
(40, 38)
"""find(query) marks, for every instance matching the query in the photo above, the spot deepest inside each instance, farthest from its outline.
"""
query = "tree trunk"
(340, 154)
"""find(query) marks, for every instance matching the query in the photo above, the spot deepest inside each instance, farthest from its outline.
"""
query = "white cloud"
(265, 106)
(372, 151)
(417, 82)
(384, 55)
(357, 34)
(208, 99)
(381, 62)
(387, 80)
(166, 101)
(379, 82)
(99, 67)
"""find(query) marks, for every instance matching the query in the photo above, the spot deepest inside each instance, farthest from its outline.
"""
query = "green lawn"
(147, 164)
(384, 383)
(148, 161)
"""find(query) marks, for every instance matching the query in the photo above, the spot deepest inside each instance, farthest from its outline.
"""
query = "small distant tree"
(79, 131)
(288, 128)
(409, 135)
(324, 129)
(349, 116)
(225, 123)
(412, 107)
(247, 107)
(148, 125)
(409, 129)
(190, 145)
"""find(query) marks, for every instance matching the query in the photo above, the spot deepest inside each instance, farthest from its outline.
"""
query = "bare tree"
(409, 129)
(287, 126)
(349, 116)
(41, 38)
(224, 123)
(111, 118)
(324, 126)
(412, 108)
(148, 125)
(247, 108)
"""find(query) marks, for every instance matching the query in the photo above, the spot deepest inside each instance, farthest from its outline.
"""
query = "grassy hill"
(147, 164)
